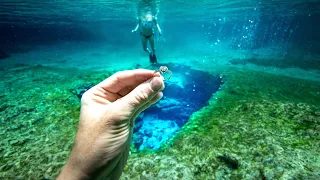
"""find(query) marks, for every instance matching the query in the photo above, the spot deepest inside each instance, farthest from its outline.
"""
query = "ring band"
(163, 70)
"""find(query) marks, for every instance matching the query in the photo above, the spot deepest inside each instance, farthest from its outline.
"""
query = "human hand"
(133, 31)
(107, 115)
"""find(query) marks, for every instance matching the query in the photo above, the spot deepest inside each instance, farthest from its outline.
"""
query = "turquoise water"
(242, 102)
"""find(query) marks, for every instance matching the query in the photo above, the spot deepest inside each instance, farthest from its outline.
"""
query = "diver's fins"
(153, 58)
(150, 58)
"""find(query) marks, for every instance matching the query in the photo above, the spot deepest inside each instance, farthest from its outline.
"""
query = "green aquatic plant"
(268, 124)
(251, 123)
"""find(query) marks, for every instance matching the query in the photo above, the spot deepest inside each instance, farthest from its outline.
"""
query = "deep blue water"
(247, 24)
(189, 92)
(262, 32)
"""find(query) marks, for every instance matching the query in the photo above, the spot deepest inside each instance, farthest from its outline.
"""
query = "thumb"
(143, 93)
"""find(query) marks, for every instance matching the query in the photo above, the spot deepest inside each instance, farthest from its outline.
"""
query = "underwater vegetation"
(254, 127)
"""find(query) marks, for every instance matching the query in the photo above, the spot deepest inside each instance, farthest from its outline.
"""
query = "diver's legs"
(151, 40)
(144, 44)
(153, 56)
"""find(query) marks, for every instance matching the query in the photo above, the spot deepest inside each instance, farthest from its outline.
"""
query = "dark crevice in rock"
(231, 162)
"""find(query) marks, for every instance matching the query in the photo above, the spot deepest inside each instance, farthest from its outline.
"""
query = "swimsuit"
(147, 24)
(147, 37)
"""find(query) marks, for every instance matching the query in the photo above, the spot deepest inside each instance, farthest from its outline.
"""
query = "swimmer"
(146, 24)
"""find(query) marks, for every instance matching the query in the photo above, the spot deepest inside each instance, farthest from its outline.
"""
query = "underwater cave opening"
(186, 92)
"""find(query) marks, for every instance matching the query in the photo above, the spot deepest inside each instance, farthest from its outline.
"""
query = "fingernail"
(156, 84)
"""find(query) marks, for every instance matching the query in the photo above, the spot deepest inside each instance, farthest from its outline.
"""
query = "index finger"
(128, 78)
